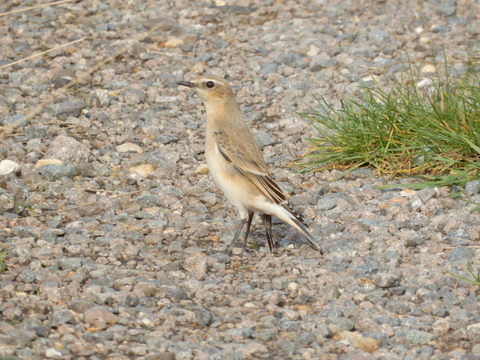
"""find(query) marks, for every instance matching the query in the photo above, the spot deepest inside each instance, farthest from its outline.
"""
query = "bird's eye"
(210, 84)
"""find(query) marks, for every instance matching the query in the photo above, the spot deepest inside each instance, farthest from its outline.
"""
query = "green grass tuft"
(403, 131)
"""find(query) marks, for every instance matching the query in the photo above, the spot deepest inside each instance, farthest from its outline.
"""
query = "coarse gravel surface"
(112, 232)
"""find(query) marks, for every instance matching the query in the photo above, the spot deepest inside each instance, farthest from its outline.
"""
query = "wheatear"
(237, 165)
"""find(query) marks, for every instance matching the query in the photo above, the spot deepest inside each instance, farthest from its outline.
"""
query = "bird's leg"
(267, 222)
(235, 237)
(249, 223)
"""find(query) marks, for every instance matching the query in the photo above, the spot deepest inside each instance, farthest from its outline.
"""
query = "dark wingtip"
(186, 83)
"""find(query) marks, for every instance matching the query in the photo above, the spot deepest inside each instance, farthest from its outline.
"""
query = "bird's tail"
(298, 223)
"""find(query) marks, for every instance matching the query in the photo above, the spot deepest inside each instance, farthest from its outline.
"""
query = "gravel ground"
(113, 246)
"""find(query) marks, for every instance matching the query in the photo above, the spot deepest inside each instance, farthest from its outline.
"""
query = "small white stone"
(416, 204)
(129, 147)
(52, 353)
(423, 83)
(8, 167)
(428, 69)
(313, 51)
(293, 286)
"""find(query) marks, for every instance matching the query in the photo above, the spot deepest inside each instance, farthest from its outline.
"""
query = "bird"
(237, 165)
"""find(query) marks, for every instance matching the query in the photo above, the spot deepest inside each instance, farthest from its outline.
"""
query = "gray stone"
(268, 67)
(137, 93)
(426, 193)
(439, 29)
(79, 306)
(472, 188)
(176, 295)
(165, 139)
(306, 338)
(473, 333)
(50, 236)
(397, 290)
(324, 64)
(204, 317)
(16, 77)
(6, 203)
(368, 223)
(28, 276)
(160, 356)
(263, 139)
(291, 59)
(65, 109)
(324, 330)
(362, 172)
(440, 312)
(156, 224)
(410, 225)
(17, 121)
(70, 263)
(164, 24)
(447, 8)
(221, 257)
(42, 331)
(53, 172)
(245, 332)
(417, 240)
(103, 298)
(227, 354)
(460, 255)
(21, 338)
(148, 200)
(341, 322)
(35, 132)
(157, 159)
(236, 9)
(398, 307)
(68, 150)
(24, 232)
(143, 215)
(387, 280)
(378, 35)
(85, 169)
(326, 204)
(418, 337)
(61, 316)
(221, 44)
(207, 56)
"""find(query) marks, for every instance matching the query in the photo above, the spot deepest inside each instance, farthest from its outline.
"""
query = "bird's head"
(210, 88)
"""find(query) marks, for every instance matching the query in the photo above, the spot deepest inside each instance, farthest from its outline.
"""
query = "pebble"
(9, 167)
(129, 147)
(61, 316)
(460, 255)
(53, 172)
(35, 132)
(68, 150)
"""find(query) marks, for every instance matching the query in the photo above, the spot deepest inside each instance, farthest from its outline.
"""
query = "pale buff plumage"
(236, 162)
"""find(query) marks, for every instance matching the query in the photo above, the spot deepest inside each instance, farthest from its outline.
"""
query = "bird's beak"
(186, 83)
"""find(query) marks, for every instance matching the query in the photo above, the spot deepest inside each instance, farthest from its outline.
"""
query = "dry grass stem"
(41, 53)
(36, 7)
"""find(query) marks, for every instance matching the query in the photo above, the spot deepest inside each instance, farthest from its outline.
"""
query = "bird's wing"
(245, 163)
